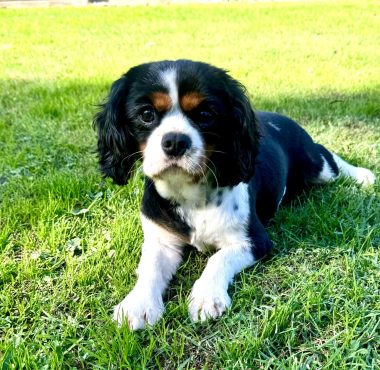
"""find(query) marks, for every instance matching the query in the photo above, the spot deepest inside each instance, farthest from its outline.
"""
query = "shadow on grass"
(331, 105)
(57, 114)
(45, 130)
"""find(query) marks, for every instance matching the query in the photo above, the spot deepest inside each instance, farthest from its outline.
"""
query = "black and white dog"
(215, 172)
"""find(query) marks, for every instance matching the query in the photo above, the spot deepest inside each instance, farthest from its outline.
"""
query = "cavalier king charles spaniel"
(215, 174)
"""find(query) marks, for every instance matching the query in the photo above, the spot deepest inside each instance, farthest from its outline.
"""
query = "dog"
(215, 174)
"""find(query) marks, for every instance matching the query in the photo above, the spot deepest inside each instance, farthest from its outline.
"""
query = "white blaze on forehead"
(169, 78)
(178, 122)
(155, 159)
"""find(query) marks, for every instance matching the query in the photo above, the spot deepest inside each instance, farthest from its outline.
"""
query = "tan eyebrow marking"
(190, 101)
(142, 147)
(161, 101)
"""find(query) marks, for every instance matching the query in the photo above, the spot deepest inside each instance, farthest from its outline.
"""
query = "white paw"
(138, 309)
(364, 176)
(207, 301)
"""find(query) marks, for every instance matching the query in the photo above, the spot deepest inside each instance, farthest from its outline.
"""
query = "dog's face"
(182, 118)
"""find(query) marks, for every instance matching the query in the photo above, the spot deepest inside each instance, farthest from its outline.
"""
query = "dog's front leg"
(160, 257)
(209, 297)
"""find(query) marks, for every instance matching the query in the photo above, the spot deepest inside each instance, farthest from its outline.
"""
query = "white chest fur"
(222, 221)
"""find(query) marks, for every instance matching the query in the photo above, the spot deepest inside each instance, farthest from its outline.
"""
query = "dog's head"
(180, 117)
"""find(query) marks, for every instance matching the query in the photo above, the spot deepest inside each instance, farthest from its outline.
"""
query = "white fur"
(160, 257)
(361, 175)
(218, 218)
(155, 159)
(222, 224)
(327, 174)
(180, 187)
(209, 297)
(169, 79)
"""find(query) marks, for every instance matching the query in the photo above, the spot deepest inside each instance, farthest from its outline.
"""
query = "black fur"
(268, 151)
(235, 136)
(117, 146)
(157, 208)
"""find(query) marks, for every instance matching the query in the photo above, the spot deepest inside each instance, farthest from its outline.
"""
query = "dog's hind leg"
(334, 166)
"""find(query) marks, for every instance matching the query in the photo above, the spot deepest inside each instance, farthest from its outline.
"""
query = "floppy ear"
(245, 138)
(116, 145)
(241, 138)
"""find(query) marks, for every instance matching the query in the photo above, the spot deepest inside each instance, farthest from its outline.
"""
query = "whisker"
(213, 173)
(214, 151)
(131, 155)
(209, 168)
(191, 163)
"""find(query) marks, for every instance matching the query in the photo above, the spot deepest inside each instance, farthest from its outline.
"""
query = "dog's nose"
(175, 144)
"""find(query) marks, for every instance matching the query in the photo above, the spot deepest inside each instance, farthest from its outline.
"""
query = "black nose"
(175, 144)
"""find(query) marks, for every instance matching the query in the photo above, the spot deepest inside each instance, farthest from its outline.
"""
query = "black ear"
(242, 137)
(117, 148)
(246, 138)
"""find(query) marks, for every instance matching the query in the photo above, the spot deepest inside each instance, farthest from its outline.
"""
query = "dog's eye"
(147, 115)
(204, 117)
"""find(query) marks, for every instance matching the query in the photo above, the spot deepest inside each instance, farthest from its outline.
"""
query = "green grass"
(313, 304)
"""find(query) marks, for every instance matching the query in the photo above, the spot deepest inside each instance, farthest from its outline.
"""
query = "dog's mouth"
(191, 166)
(173, 169)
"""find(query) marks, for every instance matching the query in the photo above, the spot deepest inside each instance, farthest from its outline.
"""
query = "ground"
(70, 242)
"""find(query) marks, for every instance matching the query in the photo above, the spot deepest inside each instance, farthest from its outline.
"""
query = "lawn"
(70, 242)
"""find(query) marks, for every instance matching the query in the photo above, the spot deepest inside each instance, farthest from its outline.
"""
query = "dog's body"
(216, 173)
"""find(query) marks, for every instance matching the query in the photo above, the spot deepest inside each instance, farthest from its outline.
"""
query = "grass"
(70, 243)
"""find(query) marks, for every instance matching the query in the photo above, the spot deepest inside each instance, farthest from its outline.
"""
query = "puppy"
(215, 174)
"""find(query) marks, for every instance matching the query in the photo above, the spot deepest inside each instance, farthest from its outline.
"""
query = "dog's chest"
(222, 221)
